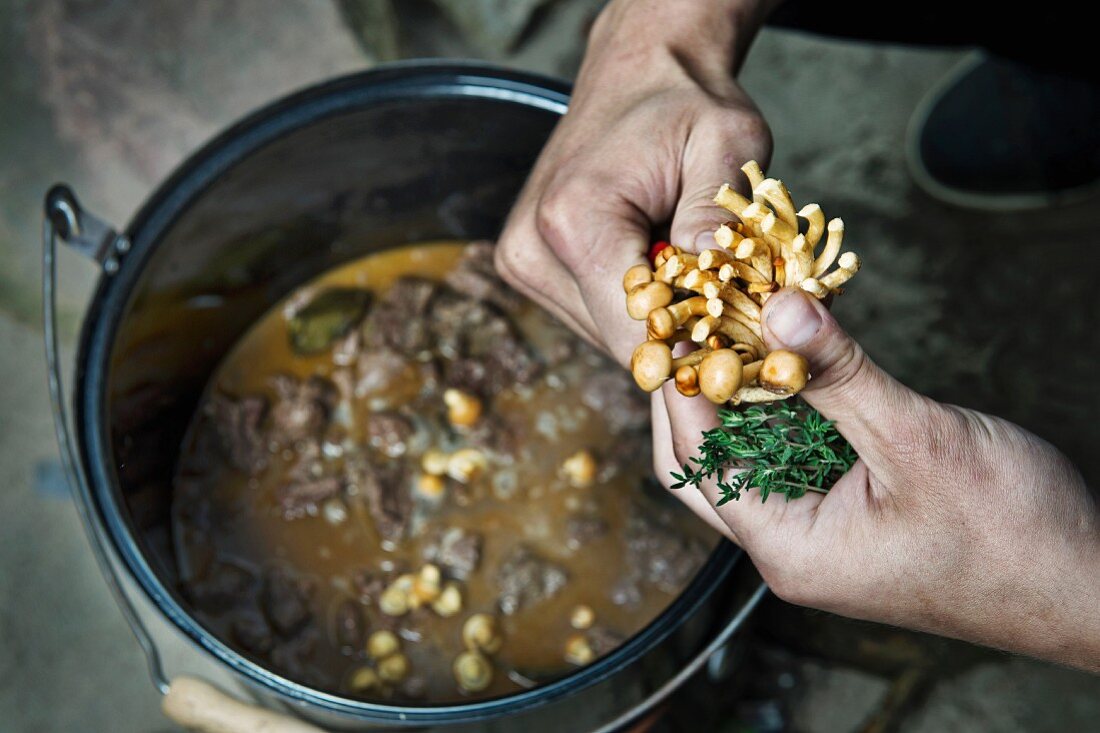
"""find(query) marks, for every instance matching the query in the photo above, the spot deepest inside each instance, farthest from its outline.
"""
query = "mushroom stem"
(752, 171)
(776, 195)
(663, 322)
(758, 254)
(848, 266)
(696, 279)
(679, 263)
(729, 293)
(753, 394)
(731, 200)
(832, 248)
(743, 270)
(726, 237)
(813, 214)
(778, 228)
(712, 259)
(691, 358)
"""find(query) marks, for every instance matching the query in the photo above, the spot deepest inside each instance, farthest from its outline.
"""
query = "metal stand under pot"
(400, 154)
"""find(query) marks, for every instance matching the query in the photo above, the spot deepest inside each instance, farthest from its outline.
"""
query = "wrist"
(712, 37)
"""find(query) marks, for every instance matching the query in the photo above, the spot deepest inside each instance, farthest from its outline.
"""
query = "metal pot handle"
(661, 693)
(66, 221)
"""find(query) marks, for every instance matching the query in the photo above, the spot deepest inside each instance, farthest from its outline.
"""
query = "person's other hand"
(656, 124)
(952, 521)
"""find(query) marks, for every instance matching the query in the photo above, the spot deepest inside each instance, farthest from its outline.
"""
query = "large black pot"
(365, 162)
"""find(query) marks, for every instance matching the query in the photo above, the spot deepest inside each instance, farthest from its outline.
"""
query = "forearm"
(1054, 609)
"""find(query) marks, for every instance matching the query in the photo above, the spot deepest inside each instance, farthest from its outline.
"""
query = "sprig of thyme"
(778, 448)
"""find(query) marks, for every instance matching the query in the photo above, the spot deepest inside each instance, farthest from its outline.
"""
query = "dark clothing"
(1047, 37)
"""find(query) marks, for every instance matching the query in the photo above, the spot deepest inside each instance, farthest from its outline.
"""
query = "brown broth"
(249, 530)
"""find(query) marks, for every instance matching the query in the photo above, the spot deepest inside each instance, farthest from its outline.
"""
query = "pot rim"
(170, 200)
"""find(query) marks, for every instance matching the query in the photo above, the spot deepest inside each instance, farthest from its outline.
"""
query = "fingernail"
(792, 318)
(705, 240)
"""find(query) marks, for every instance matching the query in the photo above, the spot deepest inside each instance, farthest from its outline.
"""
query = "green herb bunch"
(779, 448)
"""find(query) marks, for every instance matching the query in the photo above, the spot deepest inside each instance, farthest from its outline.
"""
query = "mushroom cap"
(651, 364)
(720, 375)
(784, 372)
(472, 671)
(637, 275)
(660, 324)
(642, 299)
(687, 380)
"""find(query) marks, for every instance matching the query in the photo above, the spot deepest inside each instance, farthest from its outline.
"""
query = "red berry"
(654, 249)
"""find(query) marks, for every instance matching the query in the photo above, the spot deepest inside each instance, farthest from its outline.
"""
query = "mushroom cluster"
(713, 299)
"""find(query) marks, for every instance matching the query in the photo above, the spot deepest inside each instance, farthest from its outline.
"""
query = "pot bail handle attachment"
(66, 222)
(83, 231)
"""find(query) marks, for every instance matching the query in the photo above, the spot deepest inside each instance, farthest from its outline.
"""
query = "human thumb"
(867, 404)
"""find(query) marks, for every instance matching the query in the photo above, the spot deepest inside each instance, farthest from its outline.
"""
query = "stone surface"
(110, 95)
(1017, 696)
(493, 26)
(835, 699)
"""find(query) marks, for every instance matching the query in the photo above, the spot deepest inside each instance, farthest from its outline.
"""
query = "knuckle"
(845, 377)
(940, 443)
(560, 219)
(509, 260)
(743, 129)
(751, 129)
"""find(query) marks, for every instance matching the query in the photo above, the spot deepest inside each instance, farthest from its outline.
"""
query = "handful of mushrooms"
(714, 299)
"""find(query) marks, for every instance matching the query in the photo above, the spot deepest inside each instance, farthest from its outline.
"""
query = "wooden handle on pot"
(201, 707)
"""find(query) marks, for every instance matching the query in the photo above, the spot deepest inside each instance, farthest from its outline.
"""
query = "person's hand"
(952, 521)
(656, 124)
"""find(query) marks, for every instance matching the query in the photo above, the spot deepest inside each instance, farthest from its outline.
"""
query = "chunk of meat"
(454, 318)
(285, 602)
(301, 409)
(496, 434)
(627, 591)
(383, 372)
(293, 657)
(222, 585)
(456, 550)
(349, 627)
(524, 579)
(486, 354)
(580, 530)
(387, 496)
(398, 320)
(309, 484)
(612, 393)
(239, 424)
(252, 633)
(389, 432)
(476, 276)
(660, 553)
